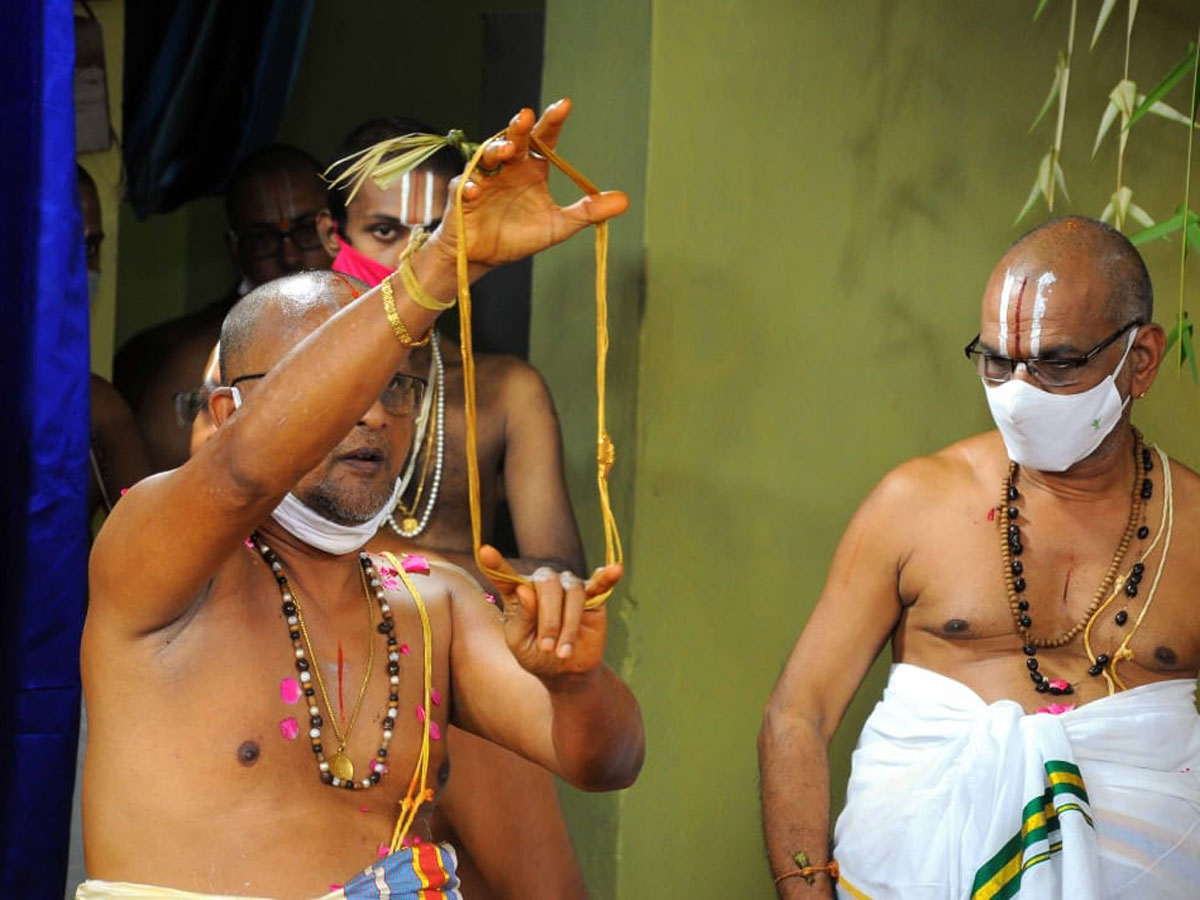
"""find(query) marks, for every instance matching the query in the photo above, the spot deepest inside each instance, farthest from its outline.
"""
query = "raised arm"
(534, 485)
(533, 679)
(196, 515)
(857, 611)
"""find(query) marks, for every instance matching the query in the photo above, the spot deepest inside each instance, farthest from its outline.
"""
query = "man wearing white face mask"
(1038, 736)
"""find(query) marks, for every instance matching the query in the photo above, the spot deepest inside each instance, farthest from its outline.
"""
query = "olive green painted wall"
(821, 191)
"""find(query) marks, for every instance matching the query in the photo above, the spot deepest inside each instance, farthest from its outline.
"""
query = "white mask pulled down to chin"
(1052, 432)
(302, 521)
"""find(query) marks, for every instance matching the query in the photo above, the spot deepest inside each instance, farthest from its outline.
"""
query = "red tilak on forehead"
(1016, 326)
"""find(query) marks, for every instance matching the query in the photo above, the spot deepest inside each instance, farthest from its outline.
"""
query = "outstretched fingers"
(549, 126)
(595, 208)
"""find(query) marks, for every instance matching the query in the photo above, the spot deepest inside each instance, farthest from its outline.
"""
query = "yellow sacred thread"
(418, 793)
(605, 450)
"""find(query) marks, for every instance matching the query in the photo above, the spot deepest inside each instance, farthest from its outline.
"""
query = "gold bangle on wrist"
(398, 328)
(417, 293)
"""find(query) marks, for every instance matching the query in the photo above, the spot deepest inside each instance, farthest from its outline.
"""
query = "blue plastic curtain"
(205, 85)
(43, 448)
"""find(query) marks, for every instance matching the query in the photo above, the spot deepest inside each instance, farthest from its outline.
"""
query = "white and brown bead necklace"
(1011, 547)
(338, 770)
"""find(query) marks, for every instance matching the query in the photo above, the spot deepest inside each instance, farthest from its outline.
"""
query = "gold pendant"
(409, 523)
(341, 767)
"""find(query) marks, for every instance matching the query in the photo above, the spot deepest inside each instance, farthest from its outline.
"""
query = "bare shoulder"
(966, 465)
(514, 378)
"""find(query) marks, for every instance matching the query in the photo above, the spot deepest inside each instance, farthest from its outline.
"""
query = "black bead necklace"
(338, 773)
(1011, 547)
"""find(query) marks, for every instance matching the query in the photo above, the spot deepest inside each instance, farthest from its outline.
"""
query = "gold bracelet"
(417, 293)
(389, 306)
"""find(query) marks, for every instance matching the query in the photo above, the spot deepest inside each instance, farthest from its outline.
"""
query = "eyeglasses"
(1058, 372)
(263, 241)
(401, 396)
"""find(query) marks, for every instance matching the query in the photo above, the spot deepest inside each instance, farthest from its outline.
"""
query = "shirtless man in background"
(1022, 576)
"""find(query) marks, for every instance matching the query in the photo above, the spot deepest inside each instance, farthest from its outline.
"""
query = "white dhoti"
(952, 797)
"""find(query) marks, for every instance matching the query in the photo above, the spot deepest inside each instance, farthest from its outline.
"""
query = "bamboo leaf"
(1124, 95)
(1106, 121)
(1030, 200)
(1055, 85)
(1062, 183)
(1140, 216)
(1106, 216)
(1041, 6)
(1133, 5)
(1102, 20)
(1170, 113)
(1162, 229)
(1164, 87)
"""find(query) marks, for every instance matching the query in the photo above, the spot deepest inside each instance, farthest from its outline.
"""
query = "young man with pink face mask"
(520, 464)
(1038, 736)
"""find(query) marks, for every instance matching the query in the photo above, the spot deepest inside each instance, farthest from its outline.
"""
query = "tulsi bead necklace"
(1014, 570)
(331, 774)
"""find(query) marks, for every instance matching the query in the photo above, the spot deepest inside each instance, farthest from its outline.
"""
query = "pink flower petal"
(489, 597)
(1058, 684)
(1056, 709)
(124, 491)
(435, 733)
(364, 809)
(334, 886)
(382, 851)
(420, 713)
(436, 696)
(404, 649)
(289, 690)
(249, 543)
(414, 562)
(289, 728)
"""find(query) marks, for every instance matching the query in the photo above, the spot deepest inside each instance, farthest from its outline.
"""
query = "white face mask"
(303, 522)
(1052, 432)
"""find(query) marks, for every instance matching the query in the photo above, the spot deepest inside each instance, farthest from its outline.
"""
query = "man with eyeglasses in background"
(1038, 735)
(271, 203)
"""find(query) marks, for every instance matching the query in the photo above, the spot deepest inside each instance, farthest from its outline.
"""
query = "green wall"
(820, 192)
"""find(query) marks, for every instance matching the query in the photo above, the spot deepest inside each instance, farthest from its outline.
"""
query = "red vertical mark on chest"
(1016, 325)
(341, 683)
(992, 514)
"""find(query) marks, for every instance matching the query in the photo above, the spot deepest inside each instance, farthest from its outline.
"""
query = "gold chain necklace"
(339, 763)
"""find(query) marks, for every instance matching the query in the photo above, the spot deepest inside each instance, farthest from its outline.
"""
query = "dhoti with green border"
(952, 797)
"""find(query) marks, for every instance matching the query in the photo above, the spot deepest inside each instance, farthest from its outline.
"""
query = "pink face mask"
(351, 262)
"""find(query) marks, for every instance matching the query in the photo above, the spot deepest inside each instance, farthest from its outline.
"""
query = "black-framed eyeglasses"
(264, 241)
(1058, 372)
(401, 396)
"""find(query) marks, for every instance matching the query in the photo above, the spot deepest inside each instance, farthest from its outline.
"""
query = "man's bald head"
(1091, 244)
(265, 324)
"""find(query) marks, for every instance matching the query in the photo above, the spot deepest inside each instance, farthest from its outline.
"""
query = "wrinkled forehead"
(1034, 300)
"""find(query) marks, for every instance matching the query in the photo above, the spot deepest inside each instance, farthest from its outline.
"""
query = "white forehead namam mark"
(1012, 285)
(416, 198)
(1045, 286)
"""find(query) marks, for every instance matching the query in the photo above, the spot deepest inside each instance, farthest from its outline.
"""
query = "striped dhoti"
(951, 797)
(420, 872)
